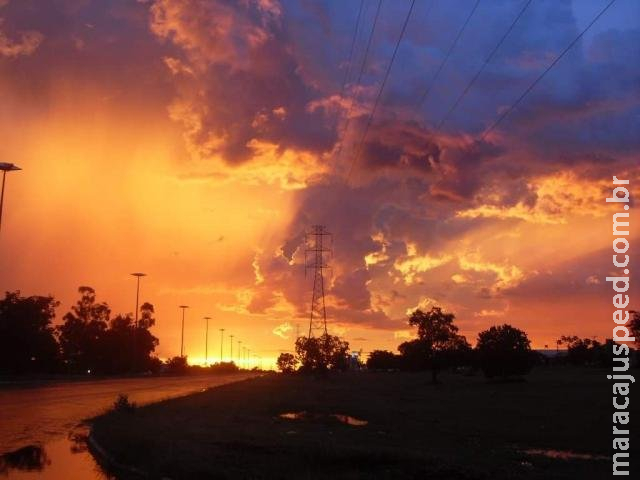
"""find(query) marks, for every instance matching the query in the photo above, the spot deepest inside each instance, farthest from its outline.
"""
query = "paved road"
(38, 415)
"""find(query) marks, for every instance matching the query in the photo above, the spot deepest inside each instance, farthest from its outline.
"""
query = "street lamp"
(221, 344)
(206, 342)
(231, 353)
(240, 353)
(138, 275)
(183, 307)
(5, 167)
(135, 331)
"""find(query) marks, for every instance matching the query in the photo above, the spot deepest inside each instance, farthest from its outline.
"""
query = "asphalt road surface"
(36, 415)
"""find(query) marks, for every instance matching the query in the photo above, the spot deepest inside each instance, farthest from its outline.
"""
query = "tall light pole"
(138, 275)
(240, 352)
(5, 167)
(135, 330)
(206, 342)
(221, 342)
(231, 353)
(183, 307)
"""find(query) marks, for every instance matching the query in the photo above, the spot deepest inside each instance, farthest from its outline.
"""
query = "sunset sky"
(196, 140)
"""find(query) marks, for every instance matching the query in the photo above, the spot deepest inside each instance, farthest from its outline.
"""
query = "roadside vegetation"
(90, 340)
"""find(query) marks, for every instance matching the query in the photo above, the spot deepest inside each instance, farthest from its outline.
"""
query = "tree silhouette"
(177, 364)
(287, 362)
(91, 340)
(503, 351)
(146, 319)
(438, 344)
(82, 331)
(318, 354)
(383, 360)
(27, 341)
(582, 351)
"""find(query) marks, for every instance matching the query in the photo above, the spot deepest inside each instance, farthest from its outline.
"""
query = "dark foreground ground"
(464, 428)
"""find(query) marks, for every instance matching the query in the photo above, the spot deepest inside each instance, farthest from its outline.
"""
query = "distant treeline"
(90, 339)
(501, 350)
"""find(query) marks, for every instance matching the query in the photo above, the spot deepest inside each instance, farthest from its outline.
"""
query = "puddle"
(564, 454)
(346, 419)
(54, 460)
(294, 415)
(356, 422)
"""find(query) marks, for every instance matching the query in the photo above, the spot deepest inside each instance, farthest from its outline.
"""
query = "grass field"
(464, 428)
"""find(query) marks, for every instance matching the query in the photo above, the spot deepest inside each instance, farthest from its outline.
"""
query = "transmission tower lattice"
(318, 243)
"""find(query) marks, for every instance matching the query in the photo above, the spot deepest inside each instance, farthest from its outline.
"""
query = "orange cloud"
(26, 44)
(557, 197)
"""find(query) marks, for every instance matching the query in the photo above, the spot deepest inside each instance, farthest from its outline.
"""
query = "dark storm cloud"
(243, 80)
(582, 276)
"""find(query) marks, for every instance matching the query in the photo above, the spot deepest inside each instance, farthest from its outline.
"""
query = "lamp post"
(221, 342)
(138, 275)
(240, 353)
(183, 307)
(5, 167)
(231, 353)
(206, 342)
(135, 330)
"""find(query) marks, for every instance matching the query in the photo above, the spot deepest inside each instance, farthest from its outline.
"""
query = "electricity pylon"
(318, 244)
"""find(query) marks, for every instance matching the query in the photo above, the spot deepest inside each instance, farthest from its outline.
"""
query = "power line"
(486, 62)
(381, 89)
(347, 73)
(446, 58)
(542, 75)
(354, 98)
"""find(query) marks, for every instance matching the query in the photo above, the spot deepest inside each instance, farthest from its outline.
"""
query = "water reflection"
(564, 454)
(29, 458)
(59, 460)
(356, 422)
(346, 419)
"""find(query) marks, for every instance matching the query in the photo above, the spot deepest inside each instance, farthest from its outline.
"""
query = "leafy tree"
(582, 351)
(287, 363)
(124, 347)
(82, 331)
(27, 341)
(322, 353)
(91, 340)
(438, 345)
(503, 351)
(383, 360)
(145, 343)
(415, 355)
(146, 319)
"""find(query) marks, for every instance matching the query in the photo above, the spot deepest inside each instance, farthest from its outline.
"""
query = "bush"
(123, 405)
(503, 351)
(224, 367)
(177, 365)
